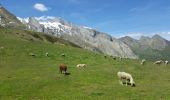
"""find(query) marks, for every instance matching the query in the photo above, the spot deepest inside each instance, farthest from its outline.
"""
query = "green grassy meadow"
(23, 77)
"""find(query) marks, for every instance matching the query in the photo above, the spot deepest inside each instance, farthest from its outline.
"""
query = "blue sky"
(115, 17)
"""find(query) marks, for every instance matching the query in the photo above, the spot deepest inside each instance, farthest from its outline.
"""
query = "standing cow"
(158, 62)
(63, 68)
(166, 62)
(143, 62)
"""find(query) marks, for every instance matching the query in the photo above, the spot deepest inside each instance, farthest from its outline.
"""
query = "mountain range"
(155, 47)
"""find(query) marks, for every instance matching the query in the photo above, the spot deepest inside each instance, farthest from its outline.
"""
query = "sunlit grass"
(32, 78)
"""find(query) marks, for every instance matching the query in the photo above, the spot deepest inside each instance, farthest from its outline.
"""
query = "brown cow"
(63, 68)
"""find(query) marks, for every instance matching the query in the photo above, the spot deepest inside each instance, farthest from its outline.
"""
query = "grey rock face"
(156, 42)
(34, 25)
(89, 38)
(82, 36)
(7, 19)
(130, 41)
(150, 48)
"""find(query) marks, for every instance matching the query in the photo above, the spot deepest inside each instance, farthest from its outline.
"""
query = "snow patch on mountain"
(82, 36)
(45, 18)
(23, 19)
(87, 27)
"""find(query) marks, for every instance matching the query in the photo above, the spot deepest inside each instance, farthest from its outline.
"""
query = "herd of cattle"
(156, 62)
(124, 78)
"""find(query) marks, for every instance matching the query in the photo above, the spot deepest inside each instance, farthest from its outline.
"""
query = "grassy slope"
(32, 78)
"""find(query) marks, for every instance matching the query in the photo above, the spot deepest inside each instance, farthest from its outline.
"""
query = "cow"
(143, 62)
(32, 54)
(63, 55)
(120, 58)
(81, 65)
(63, 68)
(127, 77)
(2, 47)
(166, 62)
(46, 54)
(105, 56)
(158, 62)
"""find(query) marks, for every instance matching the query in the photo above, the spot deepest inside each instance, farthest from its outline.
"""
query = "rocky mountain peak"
(82, 36)
(156, 42)
(128, 38)
(7, 19)
(129, 41)
(159, 43)
(157, 37)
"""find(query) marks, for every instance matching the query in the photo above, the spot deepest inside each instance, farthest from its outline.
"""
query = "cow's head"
(133, 85)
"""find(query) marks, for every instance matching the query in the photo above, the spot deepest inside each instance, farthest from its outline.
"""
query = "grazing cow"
(1, 47)
(166, 62)
(105, 56)
(120, 58)
(32, 54)
(81, 65)
(46, 54)
(158, 62)
(63, 55)
(143, 62)
(63, 68)
(127, 77)
(114, 58)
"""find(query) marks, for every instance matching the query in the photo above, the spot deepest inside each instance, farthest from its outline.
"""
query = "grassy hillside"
(23, 77)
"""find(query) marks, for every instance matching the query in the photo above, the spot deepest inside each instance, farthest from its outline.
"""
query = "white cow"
(1, 47)
(81, 65)
(127, 77)
(143, 62)
(46, 54)
(158, 62)
(166, 62)
(63, 55)
(120, 58)
(32, 54)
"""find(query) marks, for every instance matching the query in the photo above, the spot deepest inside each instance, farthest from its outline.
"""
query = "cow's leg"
(61, 71)
(65, 71)
(120, 81)
(126, 82)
